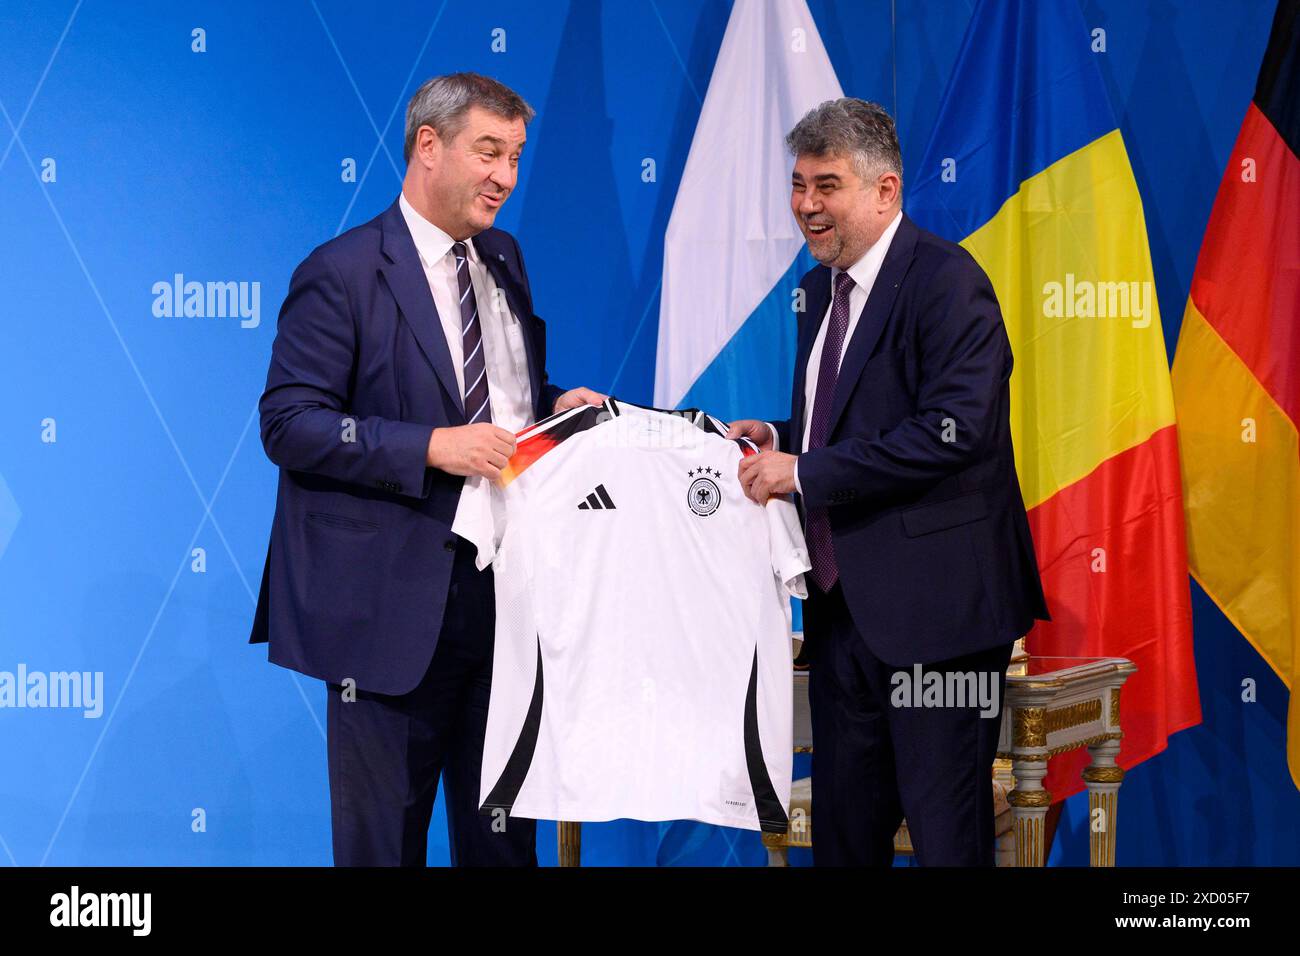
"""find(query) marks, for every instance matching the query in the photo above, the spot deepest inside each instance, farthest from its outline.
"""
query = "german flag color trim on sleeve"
(536, 440)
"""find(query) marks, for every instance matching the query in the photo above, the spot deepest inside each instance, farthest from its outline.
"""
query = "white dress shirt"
(863, 273)
(504, 356)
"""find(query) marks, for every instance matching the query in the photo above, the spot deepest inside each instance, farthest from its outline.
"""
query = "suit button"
(449, 546)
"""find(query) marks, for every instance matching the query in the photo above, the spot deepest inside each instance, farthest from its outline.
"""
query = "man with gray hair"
(406, 358)
(898, 447)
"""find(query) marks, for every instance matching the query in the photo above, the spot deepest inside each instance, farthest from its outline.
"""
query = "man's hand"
(767, 473)
(481, 449)
(760, 433)
(577, 396)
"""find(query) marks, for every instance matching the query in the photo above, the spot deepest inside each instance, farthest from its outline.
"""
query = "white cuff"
(797, 486)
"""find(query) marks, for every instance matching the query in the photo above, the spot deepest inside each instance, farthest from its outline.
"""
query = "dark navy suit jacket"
(361, 549)
(918, 475)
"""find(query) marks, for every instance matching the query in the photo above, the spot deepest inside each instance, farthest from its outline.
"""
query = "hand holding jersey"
(760, 433)
(481, 449)
(770, 472)
(575, 397)
(766, 474)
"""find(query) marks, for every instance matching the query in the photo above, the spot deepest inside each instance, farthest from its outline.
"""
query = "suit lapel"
(494, 258)
(406, 279)
(880, 303)
(815, 305)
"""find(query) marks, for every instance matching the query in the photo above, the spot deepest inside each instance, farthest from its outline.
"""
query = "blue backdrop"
(135, 499)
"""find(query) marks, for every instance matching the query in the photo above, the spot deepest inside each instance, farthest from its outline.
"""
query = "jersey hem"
(721, 820)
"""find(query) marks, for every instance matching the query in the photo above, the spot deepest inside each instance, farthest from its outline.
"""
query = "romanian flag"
(1028, 171)
(1237, 377)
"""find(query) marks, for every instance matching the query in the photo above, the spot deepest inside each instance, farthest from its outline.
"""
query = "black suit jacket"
(927, 522)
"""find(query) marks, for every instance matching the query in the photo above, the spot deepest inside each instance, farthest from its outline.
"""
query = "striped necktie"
(817, 529)
(477, 406)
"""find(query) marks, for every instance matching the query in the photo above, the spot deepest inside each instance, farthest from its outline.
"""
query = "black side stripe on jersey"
(771, 815)
(506, 791)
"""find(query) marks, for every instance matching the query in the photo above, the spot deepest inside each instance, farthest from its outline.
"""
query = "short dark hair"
(850, 127)
(443, 101)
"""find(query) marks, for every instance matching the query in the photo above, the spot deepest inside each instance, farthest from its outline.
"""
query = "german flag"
(1237, 377)
(1028, 171)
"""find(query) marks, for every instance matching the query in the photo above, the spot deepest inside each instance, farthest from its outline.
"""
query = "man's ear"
(887, 189)
(426, 139)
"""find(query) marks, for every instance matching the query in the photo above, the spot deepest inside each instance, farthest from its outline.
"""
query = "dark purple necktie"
(477, 407)
(818, 529)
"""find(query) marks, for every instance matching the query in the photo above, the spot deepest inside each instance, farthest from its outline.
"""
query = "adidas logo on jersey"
(598, 500)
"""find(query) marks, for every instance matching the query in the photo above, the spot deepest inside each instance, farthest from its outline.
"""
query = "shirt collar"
(865, 270)
(430, 241)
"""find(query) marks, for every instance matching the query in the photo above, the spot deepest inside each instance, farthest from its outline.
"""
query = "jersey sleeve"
(476, 519)
(789, 552)
(482, 509)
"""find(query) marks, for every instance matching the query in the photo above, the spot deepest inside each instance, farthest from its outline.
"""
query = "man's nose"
(809, 204)
(504, 176)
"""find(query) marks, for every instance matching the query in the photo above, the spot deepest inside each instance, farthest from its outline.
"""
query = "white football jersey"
(642, 661)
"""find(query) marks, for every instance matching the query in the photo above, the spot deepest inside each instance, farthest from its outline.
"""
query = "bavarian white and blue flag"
(733, 253)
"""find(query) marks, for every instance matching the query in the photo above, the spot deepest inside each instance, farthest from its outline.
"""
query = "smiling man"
(899, 448)
(406, 357)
